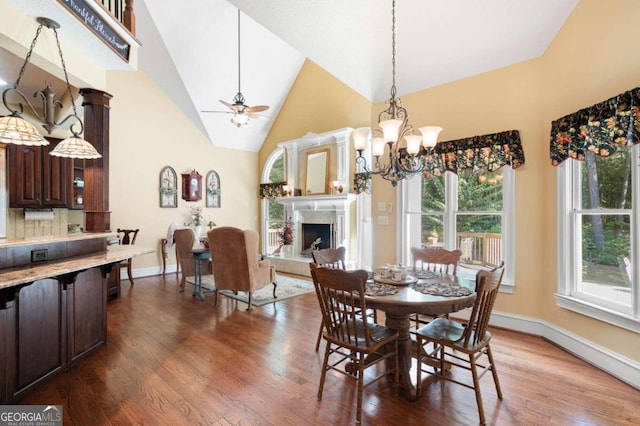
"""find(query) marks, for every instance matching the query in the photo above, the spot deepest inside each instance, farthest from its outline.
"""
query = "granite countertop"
(11, 277)
(72, 236)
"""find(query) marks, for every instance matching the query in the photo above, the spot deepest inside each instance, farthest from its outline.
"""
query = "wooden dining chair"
(453, 340)
(433, 259)
(333, 258)
(127, 237)
(352, 342)
(328, 258)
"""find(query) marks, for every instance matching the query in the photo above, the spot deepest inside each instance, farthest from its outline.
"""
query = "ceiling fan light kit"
(242, 112)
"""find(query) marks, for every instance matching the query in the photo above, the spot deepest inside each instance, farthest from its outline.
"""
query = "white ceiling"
(190, 48)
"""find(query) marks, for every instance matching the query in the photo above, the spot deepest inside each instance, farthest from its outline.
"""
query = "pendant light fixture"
(16, 130)
(394, 126)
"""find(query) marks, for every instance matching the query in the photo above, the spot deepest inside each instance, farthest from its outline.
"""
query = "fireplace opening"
(316, 236)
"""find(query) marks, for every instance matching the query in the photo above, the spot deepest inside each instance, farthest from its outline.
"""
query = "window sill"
(598, 312)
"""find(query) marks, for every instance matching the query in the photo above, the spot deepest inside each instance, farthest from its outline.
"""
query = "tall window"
(599, 236)
(470, 211)
(273, 212)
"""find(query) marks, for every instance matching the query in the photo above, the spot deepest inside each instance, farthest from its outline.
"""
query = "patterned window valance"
(598, 129)
(485, 152)
(272, 190)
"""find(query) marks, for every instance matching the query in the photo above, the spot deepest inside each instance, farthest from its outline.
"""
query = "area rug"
(287, 288)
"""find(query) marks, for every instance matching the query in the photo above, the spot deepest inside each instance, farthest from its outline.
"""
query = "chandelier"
(394, 126)
(16, 130)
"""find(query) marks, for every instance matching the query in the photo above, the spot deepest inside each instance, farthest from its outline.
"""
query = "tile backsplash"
(17, 227)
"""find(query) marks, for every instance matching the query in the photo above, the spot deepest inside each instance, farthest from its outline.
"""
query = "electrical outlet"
(39, 255)
(383, 220)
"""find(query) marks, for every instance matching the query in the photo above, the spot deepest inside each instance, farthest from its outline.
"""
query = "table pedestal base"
(405, 350)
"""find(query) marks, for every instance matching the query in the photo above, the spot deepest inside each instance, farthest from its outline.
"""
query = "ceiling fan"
(241, 111)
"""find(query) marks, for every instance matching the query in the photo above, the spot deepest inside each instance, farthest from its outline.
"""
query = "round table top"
(408, 301)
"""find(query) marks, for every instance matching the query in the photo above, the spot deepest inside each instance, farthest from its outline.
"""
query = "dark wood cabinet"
(47, 326)
(37, 179)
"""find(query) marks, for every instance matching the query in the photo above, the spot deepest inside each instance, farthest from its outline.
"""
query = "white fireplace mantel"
(333, 202)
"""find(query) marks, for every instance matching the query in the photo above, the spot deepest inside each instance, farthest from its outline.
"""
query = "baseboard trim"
(621, 367)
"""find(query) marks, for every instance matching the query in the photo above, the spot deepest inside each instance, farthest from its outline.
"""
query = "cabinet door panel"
(25, 176)
(88, 313)
(55, 178)
(41, 330)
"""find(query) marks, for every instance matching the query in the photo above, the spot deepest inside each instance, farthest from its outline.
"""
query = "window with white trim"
(470, 211)
(273, 212)
(595, 149)
(598, 236)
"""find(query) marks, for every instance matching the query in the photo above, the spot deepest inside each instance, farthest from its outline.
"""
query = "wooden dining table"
(399, 307)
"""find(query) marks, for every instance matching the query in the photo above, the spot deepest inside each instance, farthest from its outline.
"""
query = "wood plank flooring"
(172, 359)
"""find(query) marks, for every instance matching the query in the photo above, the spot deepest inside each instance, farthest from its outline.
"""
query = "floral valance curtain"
(598, 129)
(486, 152)
(272, 190)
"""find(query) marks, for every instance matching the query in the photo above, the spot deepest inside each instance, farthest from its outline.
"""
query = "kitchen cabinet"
(37, 179)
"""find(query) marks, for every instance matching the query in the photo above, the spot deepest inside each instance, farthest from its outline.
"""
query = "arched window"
(273, 213)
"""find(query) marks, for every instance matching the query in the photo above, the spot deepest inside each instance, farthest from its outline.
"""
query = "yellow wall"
(317, 102)
(148, 132)
(594, 57)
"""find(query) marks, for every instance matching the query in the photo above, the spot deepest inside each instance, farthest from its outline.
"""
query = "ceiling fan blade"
(219, 112)
(258, 108)
(228, 105)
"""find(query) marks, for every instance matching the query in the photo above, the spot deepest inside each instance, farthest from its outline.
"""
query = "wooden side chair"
(350, 338)
(127, 237)
(333, 258)
(433, 259)
(328, 258)
(464, 345)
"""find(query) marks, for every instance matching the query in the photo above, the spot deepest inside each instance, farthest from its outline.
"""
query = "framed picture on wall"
(168, 188)
(213, 189)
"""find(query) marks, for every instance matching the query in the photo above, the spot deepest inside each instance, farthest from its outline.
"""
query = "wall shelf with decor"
(77, 185)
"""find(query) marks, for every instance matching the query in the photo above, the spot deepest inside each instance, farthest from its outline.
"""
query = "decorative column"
(97, 217)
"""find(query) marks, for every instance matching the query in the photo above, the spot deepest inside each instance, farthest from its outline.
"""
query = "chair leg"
(129, 272)
(215, 297)
(324, 370)
(249, 308)
(360, 358)
(476, 387)
(419, 351)
(319, 336)
(494, 372)
(275, 284)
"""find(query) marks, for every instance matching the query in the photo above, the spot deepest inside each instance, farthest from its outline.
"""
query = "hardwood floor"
(172, 360)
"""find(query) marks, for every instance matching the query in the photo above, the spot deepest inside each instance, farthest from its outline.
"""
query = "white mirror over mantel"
(323, 217)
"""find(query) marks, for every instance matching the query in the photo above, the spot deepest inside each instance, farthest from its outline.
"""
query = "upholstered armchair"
(236, 263)
(184, 240)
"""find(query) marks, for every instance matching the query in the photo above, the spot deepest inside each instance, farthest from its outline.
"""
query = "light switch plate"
(382, 206)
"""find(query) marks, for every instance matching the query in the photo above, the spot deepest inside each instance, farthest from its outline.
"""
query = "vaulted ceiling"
(190, 49)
